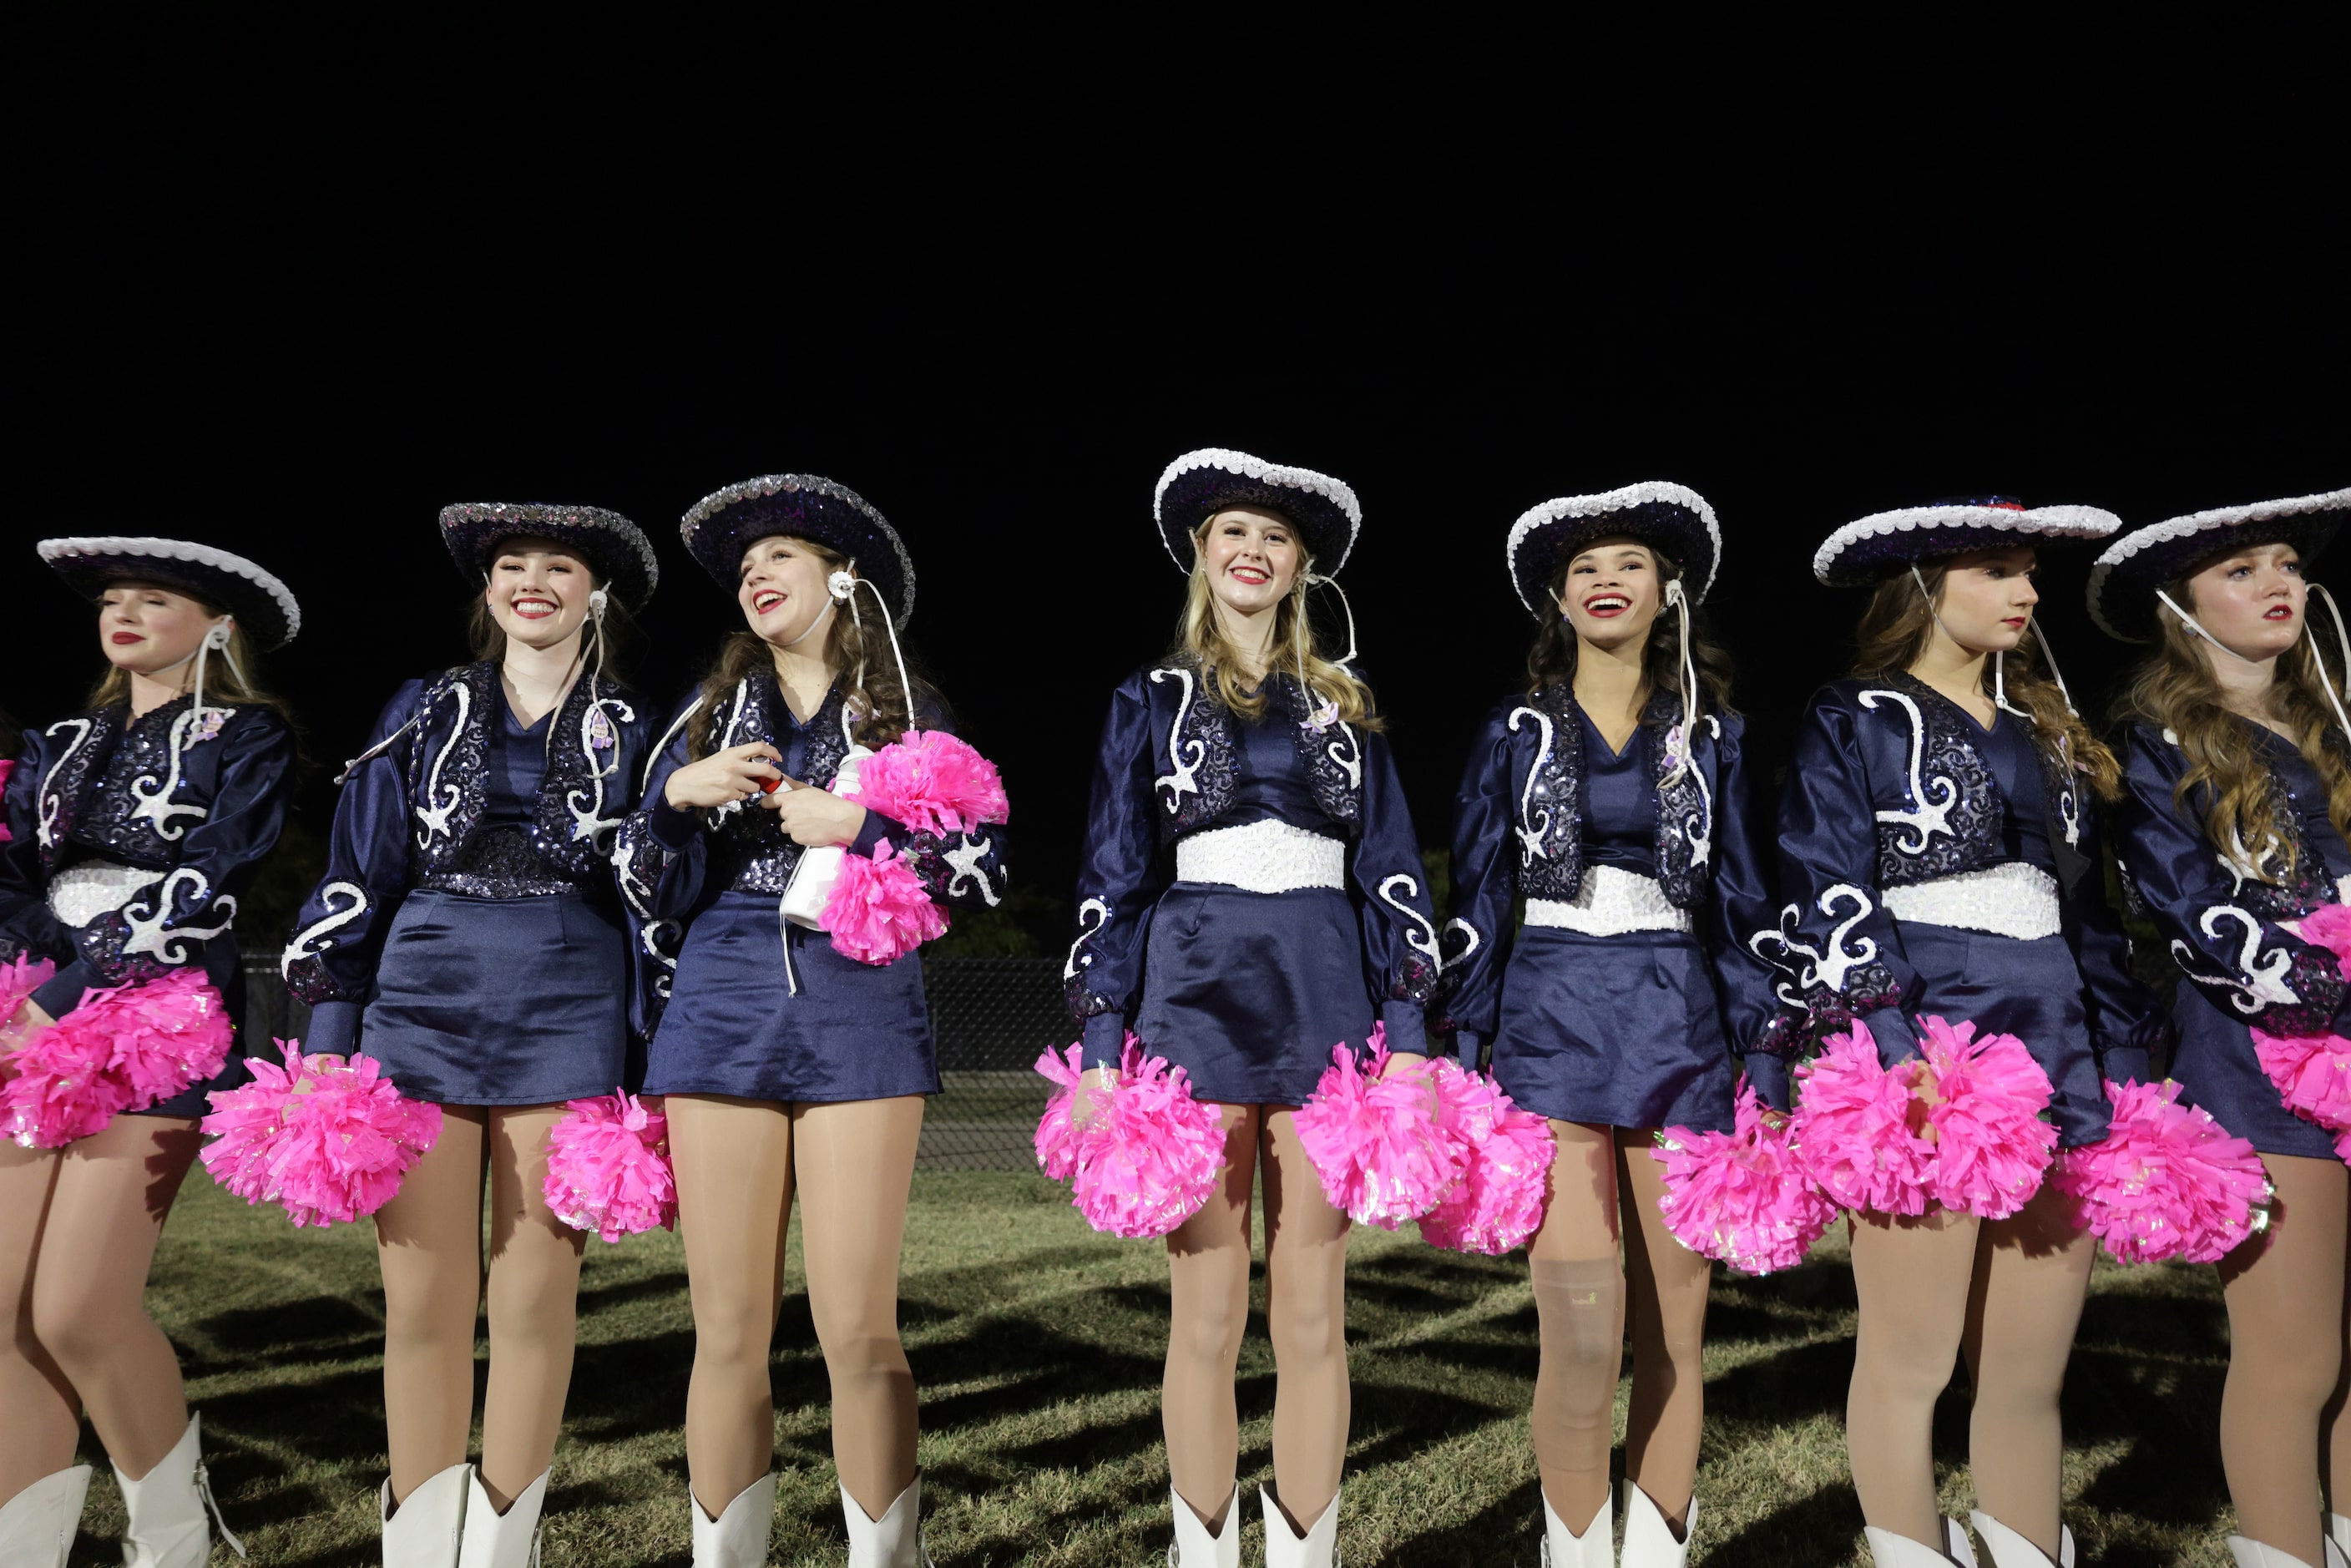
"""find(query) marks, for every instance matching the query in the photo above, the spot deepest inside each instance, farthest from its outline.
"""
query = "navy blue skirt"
(501, 1001)
(855, 1032)
(1616, 1031)
(2031, 989)
(2217, 1069)
(1249, 992)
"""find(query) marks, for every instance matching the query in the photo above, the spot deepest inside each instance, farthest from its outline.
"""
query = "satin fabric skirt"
(855, 1032)
(1616, 1031)
(2031, 989)
(1250, 992)
(501, 1001)
(2217, 1070)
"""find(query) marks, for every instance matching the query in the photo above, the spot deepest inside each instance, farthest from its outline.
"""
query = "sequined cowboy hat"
(1884, 542)
(2124, 579)
(1200, 485)
(262, 606)
(614, 546)
(724, 524)
(1671, 519)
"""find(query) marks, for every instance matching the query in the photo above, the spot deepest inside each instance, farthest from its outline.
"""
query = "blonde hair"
(225, 686)
(1201, 634)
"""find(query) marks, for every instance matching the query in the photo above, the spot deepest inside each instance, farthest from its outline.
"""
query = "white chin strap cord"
(1999, 659)
(1676, 596)
(2342, 643)
(215, 637)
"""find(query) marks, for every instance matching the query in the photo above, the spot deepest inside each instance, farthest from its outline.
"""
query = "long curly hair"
(1898, 624)
(1295, 651)
(2174, 689)
(1551, 661)
(857, 652)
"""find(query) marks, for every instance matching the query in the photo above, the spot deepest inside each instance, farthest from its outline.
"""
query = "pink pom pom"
(1992, 1147)
(125, 1048)
(7, 765)
(2167, 1181)
(1742, 1196)
(1498, 1204)
(608, 1168)
(18, 980)
(879, 910)
(326, 1139)
(1376, 1142)
(932, 782)
(1141, 1155)
(2329, 926)
(2313, 1074)
(1856, 1128)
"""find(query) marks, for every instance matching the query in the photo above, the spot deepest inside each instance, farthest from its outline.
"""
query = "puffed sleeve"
(1839, 955)
(960, 870)
(1400, 948)
(2126, 1021)
(1120, 878)
(1485, 884)
(175, 921)
(339, 935)
(27, 928)
(1739, 908)
(2262, 974)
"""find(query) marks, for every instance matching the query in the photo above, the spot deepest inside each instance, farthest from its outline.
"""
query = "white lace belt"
(1262, 857)
(80, 893)
(2013, 900)
(1610, 901)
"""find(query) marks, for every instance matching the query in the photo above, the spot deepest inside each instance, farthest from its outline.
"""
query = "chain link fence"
(989, 1017)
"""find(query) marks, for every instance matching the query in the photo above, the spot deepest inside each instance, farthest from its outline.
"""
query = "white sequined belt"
(1610, 901)
(80, 893)
(2013, 900)
(1262, 857)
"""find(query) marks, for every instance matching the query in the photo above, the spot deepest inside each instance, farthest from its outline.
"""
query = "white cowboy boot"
(1649, 1541)
(2253, 1555)
(893, 1541)
(1887, 1550)
(422, 1532)
(738, 1537)
(2338, 1541)
(1318, 1548)
(1194, 1547)
(508, 1540)
(1595, 1548)
(38, 1524)
(166, 1509)
(2010, 1550)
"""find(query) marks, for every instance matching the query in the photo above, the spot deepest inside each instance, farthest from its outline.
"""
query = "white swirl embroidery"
(1933, 798)
(650, 938)
(434, 815)
(153, 934)
(730, 736)
(2261, 979)
(155, 801)
(300, 947)
(1087, 930)
(1829, 969)
(2069, 811)
(1475, 942)
(1424, 940)
(964, 861)
(52, 803)
(1698, 827)
(1350, 759)
(1531, 833)
(1183, 781)
(591, 824)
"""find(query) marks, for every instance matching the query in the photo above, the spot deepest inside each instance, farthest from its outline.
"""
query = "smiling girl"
(133, 829)
(467, 935)
(2236, 738)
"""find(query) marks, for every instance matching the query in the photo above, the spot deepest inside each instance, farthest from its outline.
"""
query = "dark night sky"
(1464, 274)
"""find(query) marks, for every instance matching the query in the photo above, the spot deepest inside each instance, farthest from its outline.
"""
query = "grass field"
(1037, 1345)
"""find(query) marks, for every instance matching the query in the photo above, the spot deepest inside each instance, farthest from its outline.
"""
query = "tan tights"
(738, 1162)
(2007, 1293)
(1602, 1175)
(1306, 1318)
(429, 1243)
(2283, 1406)
(78, 1230)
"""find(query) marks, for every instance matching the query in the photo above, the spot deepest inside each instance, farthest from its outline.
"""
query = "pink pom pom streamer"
(1742, 1197)
(1992, 1147)
(19, 978)
(1142, 1156)
(879, 909)
(125, 1048)
(326, 1140)
(2313, 1074)
(2329, 926)
(608, 1168)
(1853, 1128)
(1377, 1142)
(7, 765)
(1498, 1203)
(932, 782)
(2167, 1181)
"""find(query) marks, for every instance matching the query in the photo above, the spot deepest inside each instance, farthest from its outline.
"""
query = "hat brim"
(1672, 519)
(1200, 485)
(1874, 546)
(615, 548)
(263, 605)
(726, 523)
(2125, 578)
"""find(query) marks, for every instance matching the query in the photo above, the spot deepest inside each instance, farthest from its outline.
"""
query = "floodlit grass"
(1038, 1344)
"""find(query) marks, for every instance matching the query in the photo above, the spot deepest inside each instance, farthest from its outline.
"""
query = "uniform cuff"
(2125, 1064)
(671, 829)
(62, 994)
(1897, 1040)
(1407, 1026)
(334, 1029)
(877, 827)
(1104, 1038)
(1767, 1076)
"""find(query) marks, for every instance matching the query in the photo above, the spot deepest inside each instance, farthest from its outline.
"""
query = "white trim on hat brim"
(766, 484)
(2174, 528)
(54, 550)
(1645, 493)
(1242, 465)
(524, 515)
(2038, 522)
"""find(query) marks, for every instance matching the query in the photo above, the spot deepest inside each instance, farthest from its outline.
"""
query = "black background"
(290, 295)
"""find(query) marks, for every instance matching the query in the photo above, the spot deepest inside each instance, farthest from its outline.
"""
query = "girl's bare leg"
(1912, 1278)
(533, 1306)
(1666, 1303)
(1306, 1317)
(44, 1424)
(1580, 1316)
(429, 1245)
(1207, 1289)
